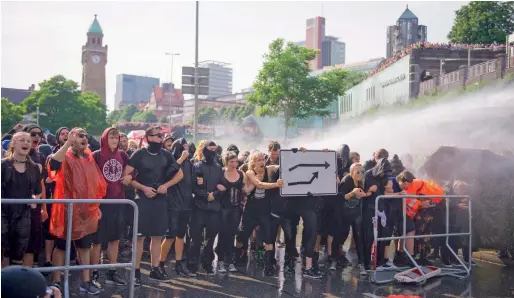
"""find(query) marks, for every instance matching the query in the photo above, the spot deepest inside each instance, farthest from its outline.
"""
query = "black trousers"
(286, 224)
(367, 237)
(251, 220)
(343, 230)
(210, 220)
(306, 209)
(230, 220)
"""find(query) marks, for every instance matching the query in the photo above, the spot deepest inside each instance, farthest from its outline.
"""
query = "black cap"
(22, 282)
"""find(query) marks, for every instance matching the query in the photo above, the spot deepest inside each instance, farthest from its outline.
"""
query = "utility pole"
(195, 130)
(37, 115)
(171, 86)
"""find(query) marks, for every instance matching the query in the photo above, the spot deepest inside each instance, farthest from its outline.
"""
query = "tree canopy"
(483, 22)
(62, 104)
(144, 116)
(11, 114)
(284, 87)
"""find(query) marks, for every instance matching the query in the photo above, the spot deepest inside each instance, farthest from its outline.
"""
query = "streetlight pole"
(171, 85)
(195, 128)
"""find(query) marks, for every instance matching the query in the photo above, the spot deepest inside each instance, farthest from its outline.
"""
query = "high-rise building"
(315, 35)
(131, 89)
(333, 51)
(94, 59)
(220, 78)
(407, 31)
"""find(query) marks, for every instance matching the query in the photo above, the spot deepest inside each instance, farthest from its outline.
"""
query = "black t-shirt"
(346, 186)
(153, 170)
(16, 185)
(258, 199)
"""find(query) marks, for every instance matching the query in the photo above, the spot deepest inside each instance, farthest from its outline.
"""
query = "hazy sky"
(42, 39)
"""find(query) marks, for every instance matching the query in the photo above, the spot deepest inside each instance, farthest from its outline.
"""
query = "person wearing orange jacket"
(417, 217)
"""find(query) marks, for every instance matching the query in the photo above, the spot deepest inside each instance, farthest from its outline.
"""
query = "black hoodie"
(182, 194)
(212, 174)
(379, 176)
(343, 161)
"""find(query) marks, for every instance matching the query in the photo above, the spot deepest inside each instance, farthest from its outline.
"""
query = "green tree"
(127, 112)
(11, 114)
(64, 105)
(284, 87)
(144, 116)
(207, 115)
(113, 117)
(164, 119)
(483, 22)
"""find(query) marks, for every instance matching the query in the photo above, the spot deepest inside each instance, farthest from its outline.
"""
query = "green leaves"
(284, 87)
(11, 114)
(144, 116)
(482, 22)
(64, 105)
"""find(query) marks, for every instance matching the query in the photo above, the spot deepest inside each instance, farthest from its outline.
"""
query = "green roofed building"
(407, 31)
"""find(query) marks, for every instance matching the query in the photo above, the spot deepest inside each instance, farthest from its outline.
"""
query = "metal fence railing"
(460, 273)
(67, 268)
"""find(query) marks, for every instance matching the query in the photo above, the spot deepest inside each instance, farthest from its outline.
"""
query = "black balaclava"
(192, 149)
(153, 147)
(234, 149)
(208, 155)
(177, 147)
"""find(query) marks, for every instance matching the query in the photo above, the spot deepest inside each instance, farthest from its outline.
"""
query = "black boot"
(435, 254)
(269, 269)
(315, 260)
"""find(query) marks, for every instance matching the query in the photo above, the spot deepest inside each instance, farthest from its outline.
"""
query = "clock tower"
(94, 59)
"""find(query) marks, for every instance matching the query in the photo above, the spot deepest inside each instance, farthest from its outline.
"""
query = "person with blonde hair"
(21, 179)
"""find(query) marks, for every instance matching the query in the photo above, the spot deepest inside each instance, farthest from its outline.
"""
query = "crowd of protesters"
(428, 45)
(187, 197)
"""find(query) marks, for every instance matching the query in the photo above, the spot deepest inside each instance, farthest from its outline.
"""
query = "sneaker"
(47, 265)
(90, 288)
(333, 264)
(163, 270)
(232, 268)
(157, 275)
(95, 279)
(387, 266)
(312, 274)
(362, 270)
(114, 278)
(221, 267)
(209, 270)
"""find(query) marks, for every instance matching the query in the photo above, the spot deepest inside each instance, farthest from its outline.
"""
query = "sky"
(43, 39)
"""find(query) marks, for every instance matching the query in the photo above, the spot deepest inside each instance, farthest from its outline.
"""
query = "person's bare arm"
(247, 185)
(176, 179)
(263, 185)
(273, 168)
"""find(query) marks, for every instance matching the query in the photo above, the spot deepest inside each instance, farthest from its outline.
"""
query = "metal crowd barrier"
(67, 268)
(450, 271)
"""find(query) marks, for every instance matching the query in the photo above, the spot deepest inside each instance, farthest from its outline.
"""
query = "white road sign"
(312, 172)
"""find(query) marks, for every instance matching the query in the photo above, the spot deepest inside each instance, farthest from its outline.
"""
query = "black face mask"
(154, 147)
(209, 155)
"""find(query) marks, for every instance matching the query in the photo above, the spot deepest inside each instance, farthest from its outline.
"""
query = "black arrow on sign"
(315, 165)
(314, 176)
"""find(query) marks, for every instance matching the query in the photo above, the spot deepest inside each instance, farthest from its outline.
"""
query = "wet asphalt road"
(487, 280)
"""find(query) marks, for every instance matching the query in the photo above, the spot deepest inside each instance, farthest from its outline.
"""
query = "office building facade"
(131, 89)
(333, 51)
(315, 34)
(407, 31)
(220, 78)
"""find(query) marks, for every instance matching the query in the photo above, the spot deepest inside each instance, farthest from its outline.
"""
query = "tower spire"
(95, 27)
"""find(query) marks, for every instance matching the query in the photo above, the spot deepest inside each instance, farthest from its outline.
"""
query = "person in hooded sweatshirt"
(40, 213)
(157, 172)
(111, 226)
(375, 181)
(381, 153)
(208, 191)
(179, 210)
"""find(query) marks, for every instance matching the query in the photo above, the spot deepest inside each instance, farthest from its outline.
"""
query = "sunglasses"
(360, 172)
(159, 135)
(35, 134)
(82, 135)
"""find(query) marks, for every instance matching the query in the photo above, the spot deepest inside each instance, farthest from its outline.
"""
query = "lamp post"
(195, 128)
(171, 83)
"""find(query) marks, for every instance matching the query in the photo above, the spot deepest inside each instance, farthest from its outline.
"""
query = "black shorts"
(35, 245)
(111, 225)
(153, 215)
(82, 243)
(16, 226)
(409, 224)
(250, 221)
(177, 223)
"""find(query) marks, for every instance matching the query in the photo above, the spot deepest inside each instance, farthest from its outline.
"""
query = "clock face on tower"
(95, 59)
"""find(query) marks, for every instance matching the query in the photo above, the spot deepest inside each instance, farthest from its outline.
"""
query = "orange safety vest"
(422, 188)
(412, 207)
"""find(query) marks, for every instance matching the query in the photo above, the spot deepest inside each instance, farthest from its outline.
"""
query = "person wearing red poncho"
(77, 176)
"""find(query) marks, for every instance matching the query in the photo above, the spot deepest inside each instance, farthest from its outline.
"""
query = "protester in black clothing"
(157, 171)
(21, 178)
(273, 153)
(192, 150)
(343, 161)
(257, 210)
(375, 181)
(167, 142)
(208, 191)
(348, 213)
(179, 210)
(39, 214)
(379, 154)
(236, 186)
